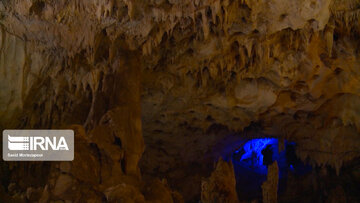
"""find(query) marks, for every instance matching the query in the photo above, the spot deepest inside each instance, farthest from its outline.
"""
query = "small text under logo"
(41, 145)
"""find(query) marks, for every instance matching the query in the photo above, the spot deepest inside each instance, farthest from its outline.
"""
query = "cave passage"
(251, 160)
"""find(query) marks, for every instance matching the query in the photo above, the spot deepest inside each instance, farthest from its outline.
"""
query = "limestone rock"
(158, 191)
(45, 196)
(157, 87)
(33, 194)
(124, 193)
(63, 184)
(270, 186)
(220, 187)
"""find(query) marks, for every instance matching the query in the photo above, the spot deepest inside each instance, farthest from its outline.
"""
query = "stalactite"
(329, 37)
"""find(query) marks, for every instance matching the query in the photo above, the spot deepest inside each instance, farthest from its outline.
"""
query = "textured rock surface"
(220, 187)
(270, 186)
(285, 68)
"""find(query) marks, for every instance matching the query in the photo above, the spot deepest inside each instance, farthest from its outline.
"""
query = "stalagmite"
(270, 186)
(220, 187)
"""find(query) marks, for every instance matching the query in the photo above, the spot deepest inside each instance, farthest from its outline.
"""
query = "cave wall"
(158, 76)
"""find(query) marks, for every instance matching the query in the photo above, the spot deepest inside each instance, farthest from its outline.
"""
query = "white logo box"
(38, 145)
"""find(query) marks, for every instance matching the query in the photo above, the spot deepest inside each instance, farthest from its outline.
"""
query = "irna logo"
(36, 143)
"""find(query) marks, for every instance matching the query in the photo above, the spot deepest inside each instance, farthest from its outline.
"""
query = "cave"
(169, 101)
(251, 161)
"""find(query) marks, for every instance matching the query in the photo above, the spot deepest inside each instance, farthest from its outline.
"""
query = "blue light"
(253, 149)
(248, 159)
(250, 156)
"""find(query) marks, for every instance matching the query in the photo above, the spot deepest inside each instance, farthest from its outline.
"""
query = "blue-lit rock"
(252, 156)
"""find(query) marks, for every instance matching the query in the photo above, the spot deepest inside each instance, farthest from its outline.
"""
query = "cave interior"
(172, 101)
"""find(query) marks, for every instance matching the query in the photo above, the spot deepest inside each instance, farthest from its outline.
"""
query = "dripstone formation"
(157, 91)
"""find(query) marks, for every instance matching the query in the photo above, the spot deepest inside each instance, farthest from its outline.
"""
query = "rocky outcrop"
(95, 175)
(221, 185)
(165, 74)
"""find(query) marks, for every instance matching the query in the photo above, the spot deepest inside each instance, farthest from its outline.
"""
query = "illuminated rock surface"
(157, 88)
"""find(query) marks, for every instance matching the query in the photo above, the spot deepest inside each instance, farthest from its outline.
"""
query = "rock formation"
(270, 186)
(220, 187)
(155, 88)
